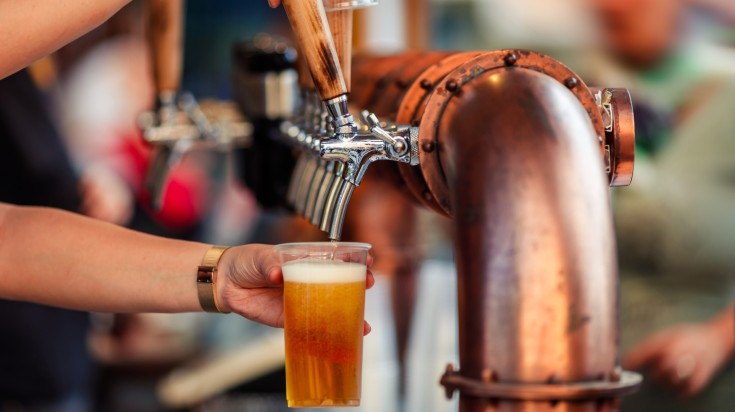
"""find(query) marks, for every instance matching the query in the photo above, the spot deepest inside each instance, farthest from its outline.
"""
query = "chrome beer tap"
(345, 149)
(179, 122)
(396, 143)
(339, 16)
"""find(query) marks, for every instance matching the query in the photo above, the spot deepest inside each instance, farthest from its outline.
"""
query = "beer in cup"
(324, 305)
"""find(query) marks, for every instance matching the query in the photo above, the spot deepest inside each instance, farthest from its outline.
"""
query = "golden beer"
(324, 305)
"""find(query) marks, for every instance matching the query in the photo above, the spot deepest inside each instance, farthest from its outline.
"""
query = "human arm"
(63, 259)
(686, 357)
(67, 260)
(31, 29)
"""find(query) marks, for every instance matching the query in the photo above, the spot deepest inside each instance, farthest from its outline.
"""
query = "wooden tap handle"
(309, 22)
(340, 23)
(165, 32)
(302, 68)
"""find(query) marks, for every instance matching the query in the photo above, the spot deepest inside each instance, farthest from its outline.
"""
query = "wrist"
(208, 287)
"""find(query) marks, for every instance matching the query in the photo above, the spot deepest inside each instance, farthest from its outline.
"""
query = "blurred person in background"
(44, 364)
(89, 165)
(676, 222)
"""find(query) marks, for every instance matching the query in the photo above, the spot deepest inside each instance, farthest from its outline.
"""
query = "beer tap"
(305, 133)
(353, 149)
(164, 38)
(339, 16)
(178, 123)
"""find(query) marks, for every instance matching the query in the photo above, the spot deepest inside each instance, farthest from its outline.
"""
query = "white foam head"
(323, 271)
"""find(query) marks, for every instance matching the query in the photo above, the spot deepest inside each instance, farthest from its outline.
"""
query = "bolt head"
(571, 82)
(427, 147)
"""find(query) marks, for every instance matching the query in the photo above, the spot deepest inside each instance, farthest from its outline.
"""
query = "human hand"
(684, 357)
(250, 283)
(274, 3)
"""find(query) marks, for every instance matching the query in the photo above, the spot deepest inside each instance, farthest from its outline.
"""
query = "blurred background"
(675, 223)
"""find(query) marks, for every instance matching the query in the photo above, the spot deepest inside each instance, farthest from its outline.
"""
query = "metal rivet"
(510, 59)
(425, 84)
(616, 374)
(571, 82)
(452, 85)
(489, 376)
(427, 147)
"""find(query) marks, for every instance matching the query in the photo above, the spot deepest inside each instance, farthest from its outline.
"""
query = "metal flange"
(622, 383)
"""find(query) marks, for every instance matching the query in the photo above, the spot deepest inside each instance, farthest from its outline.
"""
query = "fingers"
(643, 354)
(370, 257)
(274, 3)
(697, 381)
(369, 280)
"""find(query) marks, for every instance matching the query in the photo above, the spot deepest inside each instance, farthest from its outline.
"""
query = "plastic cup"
(324, 310)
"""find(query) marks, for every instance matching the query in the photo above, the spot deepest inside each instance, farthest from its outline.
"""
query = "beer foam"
(323, 271)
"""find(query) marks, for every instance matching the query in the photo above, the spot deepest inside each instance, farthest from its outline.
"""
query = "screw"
(427, 146)
(452, 85)
(489, 376)
(510, 59)
(399, 147)
(571, 82)
(425, 84)
(616, 374)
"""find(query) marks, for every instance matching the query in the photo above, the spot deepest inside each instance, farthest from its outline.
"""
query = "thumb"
(268, 265)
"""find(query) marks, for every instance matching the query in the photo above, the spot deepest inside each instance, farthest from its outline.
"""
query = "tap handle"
(165, 21)
(309, 22)
(340, 23)
(302, 68)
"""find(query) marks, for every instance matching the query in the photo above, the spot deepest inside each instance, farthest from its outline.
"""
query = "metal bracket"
(618, 384)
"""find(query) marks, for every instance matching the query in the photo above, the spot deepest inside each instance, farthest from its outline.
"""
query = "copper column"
(514, 147)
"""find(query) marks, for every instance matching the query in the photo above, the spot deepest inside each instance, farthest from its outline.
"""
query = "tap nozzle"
(355, 156)
(342, 121)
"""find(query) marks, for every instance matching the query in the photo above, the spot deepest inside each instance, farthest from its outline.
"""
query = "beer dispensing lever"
(164, 40)
(352, 147)
(178, 122)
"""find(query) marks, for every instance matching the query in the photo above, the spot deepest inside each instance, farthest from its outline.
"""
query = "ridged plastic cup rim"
(356, 245)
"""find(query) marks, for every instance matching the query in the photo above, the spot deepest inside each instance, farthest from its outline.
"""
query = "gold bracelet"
(207, 279)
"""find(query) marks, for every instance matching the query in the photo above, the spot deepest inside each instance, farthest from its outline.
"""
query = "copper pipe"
(534, 238)
(512, 145)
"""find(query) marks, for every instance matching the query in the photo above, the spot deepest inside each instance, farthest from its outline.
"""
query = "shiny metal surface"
(607, 388)
(622, 138)
(321, 197)
(534, 242)
(316, 183)
(449, 85)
